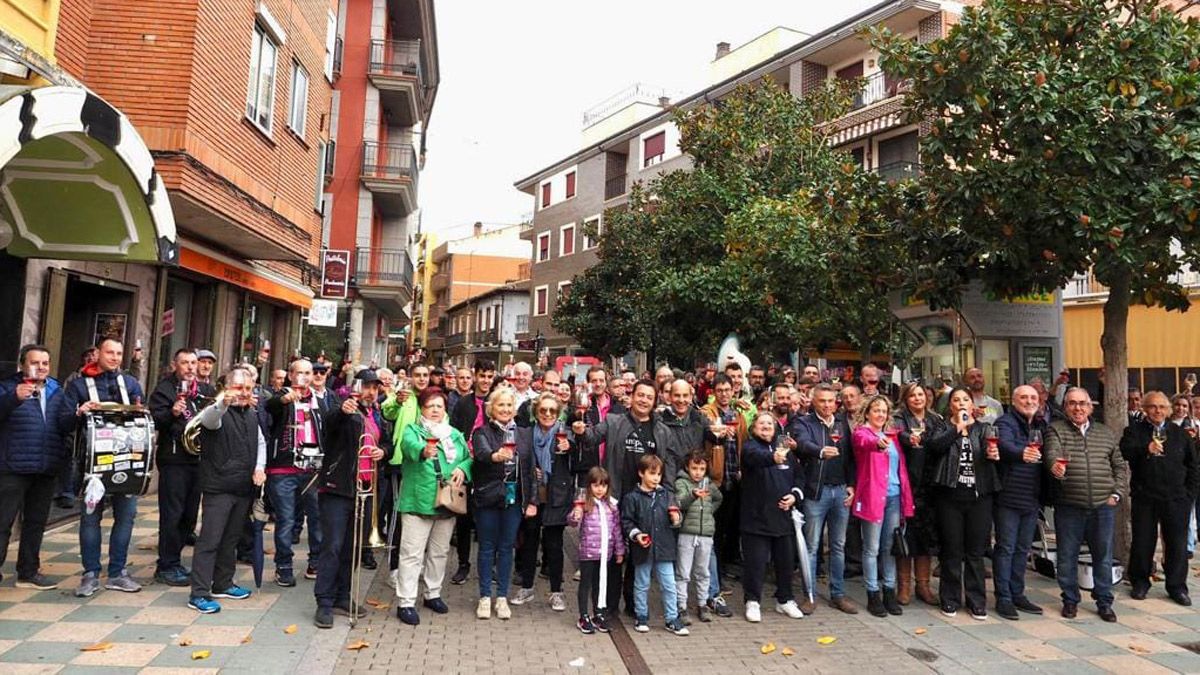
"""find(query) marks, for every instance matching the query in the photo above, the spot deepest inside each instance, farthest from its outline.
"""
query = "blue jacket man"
(32, 451)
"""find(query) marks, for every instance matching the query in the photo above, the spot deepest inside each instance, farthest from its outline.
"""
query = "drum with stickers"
(116, 443)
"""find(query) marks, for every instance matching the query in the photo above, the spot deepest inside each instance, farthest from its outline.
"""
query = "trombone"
(364, 494)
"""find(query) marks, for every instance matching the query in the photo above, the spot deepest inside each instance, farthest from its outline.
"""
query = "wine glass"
(1159, 436)
(916, 430)
(1035, 439)
(992, 437)
(31, 377)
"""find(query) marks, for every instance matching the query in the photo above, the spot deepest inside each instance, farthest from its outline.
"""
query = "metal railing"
(397, 57)
(614, 187)
(895, 171)
(383, 267)
(877, 88)
(488, 336)
(338, 48)
(522, 323)
(456, 339)
(330, 159)
(389, 161)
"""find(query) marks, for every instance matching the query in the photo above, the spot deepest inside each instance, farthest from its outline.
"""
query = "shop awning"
(245, 275)
(78, 182)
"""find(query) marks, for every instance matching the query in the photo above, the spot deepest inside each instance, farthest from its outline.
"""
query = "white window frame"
(572, 172)
(537, 251)
(588, 242)
(543, 202)
(255, 91)
(561, 285)
(545, 288)
(562, 240)
(298, 105)
(330, 43)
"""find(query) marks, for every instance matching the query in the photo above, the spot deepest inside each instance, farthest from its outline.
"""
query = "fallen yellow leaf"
(246, 640)
(376, 603)
(290, 629)
(357, 645)
(826, 640)
(920, 631)
(1138, 649)
(767, 648)
(185, 642)
(787, 651)
(201, 654)
(98, 647)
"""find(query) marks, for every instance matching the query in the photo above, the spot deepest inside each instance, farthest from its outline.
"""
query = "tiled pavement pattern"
(42, 632)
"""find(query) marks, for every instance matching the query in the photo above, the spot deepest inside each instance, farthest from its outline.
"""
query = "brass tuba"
(190, 438)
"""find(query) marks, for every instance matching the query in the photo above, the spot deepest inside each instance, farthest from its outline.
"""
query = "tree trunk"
(864, 349)
(1115, 346)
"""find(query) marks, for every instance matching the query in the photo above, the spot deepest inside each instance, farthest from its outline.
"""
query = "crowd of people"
(694, 481)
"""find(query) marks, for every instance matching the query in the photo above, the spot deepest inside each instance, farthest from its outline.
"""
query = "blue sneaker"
(204, 605)
(234, 592)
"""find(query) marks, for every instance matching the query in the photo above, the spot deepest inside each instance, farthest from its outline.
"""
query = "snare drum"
(117, 444)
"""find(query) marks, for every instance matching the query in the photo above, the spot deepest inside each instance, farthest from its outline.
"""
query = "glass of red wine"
(30, 376)
(1035, 439)
(992, 437)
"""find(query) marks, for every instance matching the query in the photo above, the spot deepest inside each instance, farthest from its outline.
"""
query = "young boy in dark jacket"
(699, 498)
(649, 518)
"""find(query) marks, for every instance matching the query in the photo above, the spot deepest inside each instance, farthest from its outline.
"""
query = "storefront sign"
(323, 313)
(1037, 361)
(335, 273)
(224, 270)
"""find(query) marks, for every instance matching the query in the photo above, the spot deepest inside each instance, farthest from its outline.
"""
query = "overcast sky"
(517, 76)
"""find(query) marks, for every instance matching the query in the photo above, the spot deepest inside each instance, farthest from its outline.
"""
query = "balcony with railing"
(456, 340)
(524, 271)
(397, 70)
(896, 171)
(385, 277)
(389, 171)
(614, 187)
(1085, 286)
(486, 337)
(879, 87)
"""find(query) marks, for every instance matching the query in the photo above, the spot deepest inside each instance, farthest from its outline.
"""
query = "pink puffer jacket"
(589, 531)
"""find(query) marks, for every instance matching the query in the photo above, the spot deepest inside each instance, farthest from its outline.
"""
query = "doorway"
(80, 310)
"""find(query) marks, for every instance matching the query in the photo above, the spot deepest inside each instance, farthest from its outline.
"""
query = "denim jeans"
(124, 511)
(1073, 525)
(497, 532)
(286, 498)
(1014, 537)
(829, 507)
(665, 572)
(877, 547)
(714, 578)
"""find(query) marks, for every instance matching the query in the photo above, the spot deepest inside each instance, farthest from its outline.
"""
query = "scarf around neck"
(441, 431)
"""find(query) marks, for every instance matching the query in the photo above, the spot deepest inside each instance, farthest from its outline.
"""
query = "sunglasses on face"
(552, 411)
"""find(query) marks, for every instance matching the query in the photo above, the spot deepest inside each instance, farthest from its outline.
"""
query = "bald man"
(1019, 501)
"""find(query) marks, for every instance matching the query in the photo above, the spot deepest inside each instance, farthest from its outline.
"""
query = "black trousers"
(178, 508)
(551, 539)
(726, 541)
(463, 526)
(29, 495)
(964, 527)
(760, 549)
(337, 551)
(1148, 516)
(215, 556)
(589, 587)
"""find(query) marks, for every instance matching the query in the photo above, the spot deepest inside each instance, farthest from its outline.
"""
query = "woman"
(771, 485)
(430, 451)
(882, 497)
(917, 423)
(504, 490)
(963, 478)
(556, 493)
(1181, 413)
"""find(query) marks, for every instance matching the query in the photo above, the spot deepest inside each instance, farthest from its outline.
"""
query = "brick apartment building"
(387, 80)
(635, 140)
(226, 104)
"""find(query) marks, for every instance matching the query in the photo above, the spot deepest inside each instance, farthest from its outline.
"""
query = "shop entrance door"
(79, 311)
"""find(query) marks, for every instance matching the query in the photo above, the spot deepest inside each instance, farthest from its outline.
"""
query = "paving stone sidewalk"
(44, 632)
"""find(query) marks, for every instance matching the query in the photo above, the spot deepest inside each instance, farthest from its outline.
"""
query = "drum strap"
(94, 395)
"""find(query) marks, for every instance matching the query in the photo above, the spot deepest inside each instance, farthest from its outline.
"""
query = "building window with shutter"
(564, 290)
(566, 240)
(570, 185)
(589, 240)
(260, 95)
(299, 108)
(545, 195)
(330, 43)
(543, 248)
(539, 300)
(653, 148)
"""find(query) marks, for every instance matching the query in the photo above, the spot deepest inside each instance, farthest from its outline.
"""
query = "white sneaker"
(576, 576)
(789, 608)
(523, 596)
(484, 610)
(753, 612)
(557, 602)
(502, 610)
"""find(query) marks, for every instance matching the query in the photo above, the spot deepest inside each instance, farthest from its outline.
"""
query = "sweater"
(1095, 471)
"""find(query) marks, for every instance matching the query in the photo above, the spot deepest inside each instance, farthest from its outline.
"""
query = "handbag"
(449, 497)
(900, 541)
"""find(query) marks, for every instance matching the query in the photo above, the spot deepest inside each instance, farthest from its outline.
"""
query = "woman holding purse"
(964, 478)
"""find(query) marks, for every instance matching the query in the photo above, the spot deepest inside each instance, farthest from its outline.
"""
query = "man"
(522, 377)
(464, 381)
(1019, 502)
(32, 452)
(1133, 402)
(437, 377)
(705, 382)
(401, 407)
(277, 382)
(828, 490)
(328, 400)
(1048, 410)
(103, 382)
(468, 416)
(1085, 459)
(683, 420)
(357, 423)
(811, 372)
(802, 396)
(987, 409)
(741, 400)
(758, 381)
(173, 403)
(603, 404)
(728, 429)
(205, 362)
(852, 398)
(870, 380)
(1163, 481)
(232, 465)
(296, 427)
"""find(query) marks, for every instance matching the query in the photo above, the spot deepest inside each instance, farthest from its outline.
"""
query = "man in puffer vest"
(32, 452)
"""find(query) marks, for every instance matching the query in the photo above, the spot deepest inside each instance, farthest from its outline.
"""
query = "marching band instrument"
(190, 438)
(116, 444)
(305, 456)
(363, 493)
